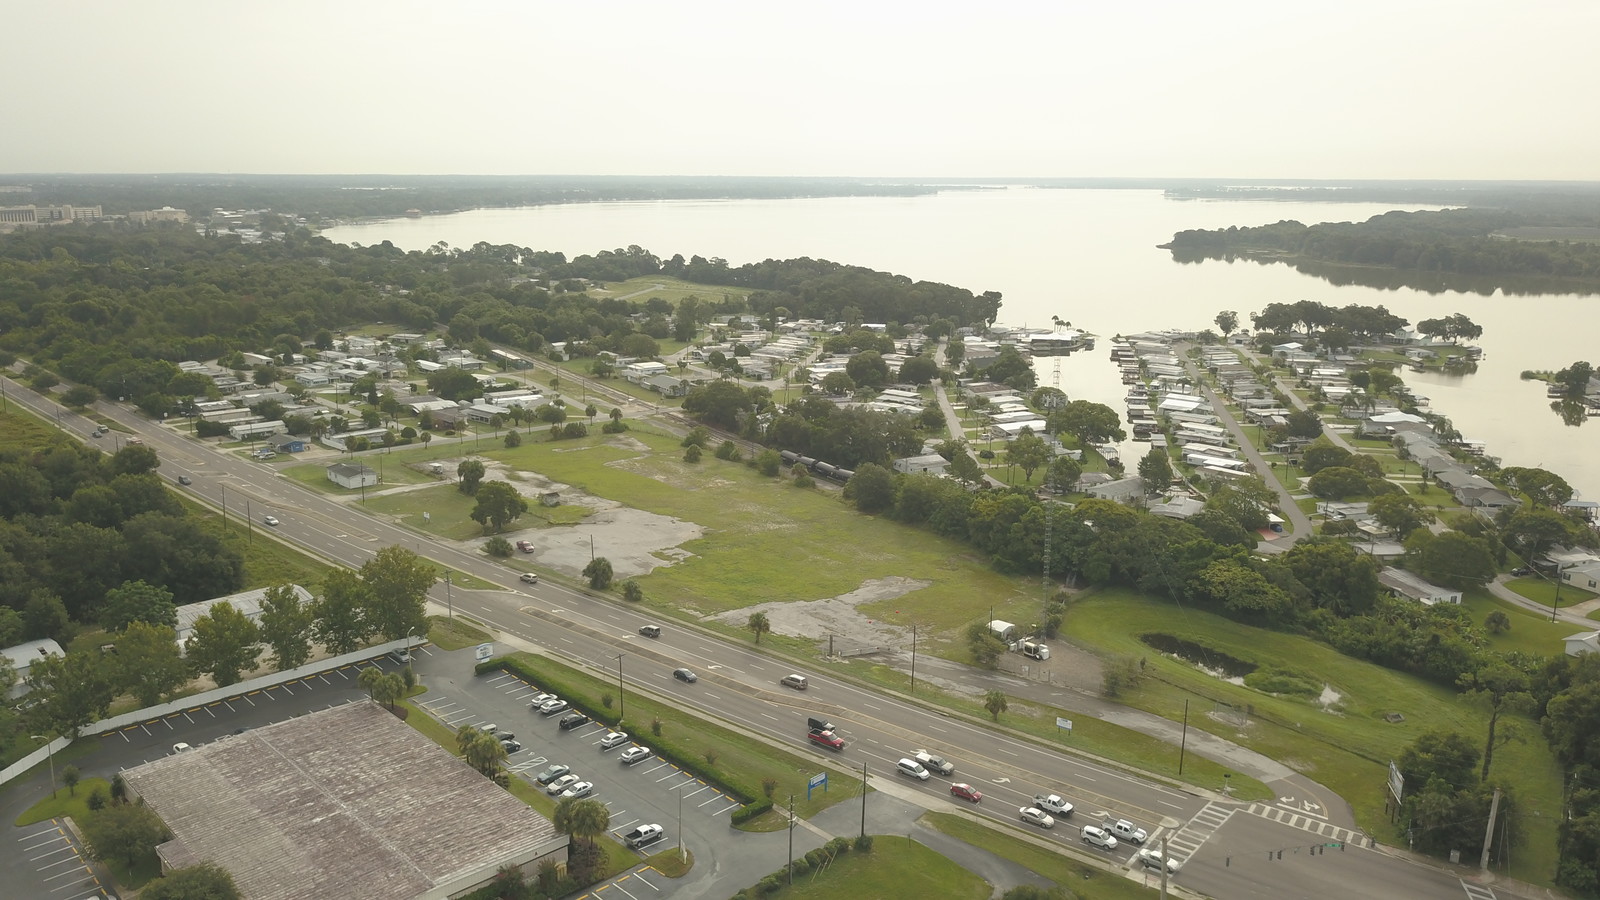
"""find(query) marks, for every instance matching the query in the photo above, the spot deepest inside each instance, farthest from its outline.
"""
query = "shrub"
(768, 785)
(607, 700)
(97, 799)
(711, 757)
(614, 427)
(655, 727)
(692, 455)
(631, 591)
(728, 450)
(864, 843)
(497, 547)
(1273, 680)
(749, 811)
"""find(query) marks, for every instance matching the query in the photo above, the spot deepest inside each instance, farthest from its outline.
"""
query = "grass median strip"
(1081, 878)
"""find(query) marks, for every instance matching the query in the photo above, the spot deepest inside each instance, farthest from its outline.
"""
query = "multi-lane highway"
(1223, 845)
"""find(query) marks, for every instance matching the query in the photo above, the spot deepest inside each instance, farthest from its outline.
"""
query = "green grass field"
(1082, 879)
(896, 868)
(1346, 749)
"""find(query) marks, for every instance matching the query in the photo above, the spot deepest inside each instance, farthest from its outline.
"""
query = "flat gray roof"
(348, 802)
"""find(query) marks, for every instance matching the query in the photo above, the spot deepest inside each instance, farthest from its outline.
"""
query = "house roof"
(246, 602)
(350, 470)
(1411, 585)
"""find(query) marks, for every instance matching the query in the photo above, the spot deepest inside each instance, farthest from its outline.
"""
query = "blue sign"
(818, 780)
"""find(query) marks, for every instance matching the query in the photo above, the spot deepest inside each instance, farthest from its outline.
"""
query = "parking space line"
(711, 800)
(701, 791)
(728, 809)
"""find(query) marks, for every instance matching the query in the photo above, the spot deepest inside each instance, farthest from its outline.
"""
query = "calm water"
(1089, 257)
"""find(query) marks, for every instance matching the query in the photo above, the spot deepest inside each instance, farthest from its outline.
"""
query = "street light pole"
(409, 666)
(448, 599)
(51, 751)
(621, 705)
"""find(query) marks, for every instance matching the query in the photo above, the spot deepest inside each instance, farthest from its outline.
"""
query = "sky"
(1454, 89)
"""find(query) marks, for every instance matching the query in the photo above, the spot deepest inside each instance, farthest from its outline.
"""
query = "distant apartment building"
(164, 214)
(20, 216)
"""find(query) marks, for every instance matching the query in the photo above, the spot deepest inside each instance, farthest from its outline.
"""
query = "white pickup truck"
(934, 762)
(1053, 804)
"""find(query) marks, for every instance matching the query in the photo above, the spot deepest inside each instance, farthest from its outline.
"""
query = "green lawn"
(896, 868)
(392, 471)
(1530, 632)
(672, 290)
(1082, 879)
(1543, 592)
(75, 805)
(1348, 749)
(456, 633)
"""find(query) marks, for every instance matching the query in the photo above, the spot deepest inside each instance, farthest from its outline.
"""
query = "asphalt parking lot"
(58, 862)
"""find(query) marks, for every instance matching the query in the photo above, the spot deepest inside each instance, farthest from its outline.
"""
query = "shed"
(352, 475)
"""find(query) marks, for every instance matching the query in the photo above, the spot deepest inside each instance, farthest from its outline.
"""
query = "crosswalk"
(1309, 823)
(1186, 841)
(1477, 891)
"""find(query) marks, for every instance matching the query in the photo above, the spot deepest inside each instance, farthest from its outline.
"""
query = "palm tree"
(995, 703)
(388, 688)
(368, 681)
(584, 819)
(759, 624)
(482, 750)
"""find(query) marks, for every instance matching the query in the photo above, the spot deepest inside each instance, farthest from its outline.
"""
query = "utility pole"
(913, 657)
(1163, 867)
(683, 849)
(1488, 833)
(1183, 745)
(863, 799)
(448, 599)
(620, 704)
(791, 840)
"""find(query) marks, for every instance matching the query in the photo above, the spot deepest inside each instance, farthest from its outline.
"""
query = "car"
(1033, 815)
(966, 792)
(525, 546)
(489, 727)
(578, 789)
(1520, 571)
(650, 630)
(685, 675)
(643, 836)
(552, 773)
(541, 698)
(555, 788)
(504, 736)
(528, 578)
(798, 682)
(573, 720)
(96, 433)
(1053, 805)
(934, 762)
(613, 739)
(1127, 831)
(511, 745)
(634, 754)
(184, 479)
(826, 739)
(911, 769)
(270, 520)
(551, 707)
(403, 657)
(136, 440)
(1151, 858)
(181, 747)
(1095, 836)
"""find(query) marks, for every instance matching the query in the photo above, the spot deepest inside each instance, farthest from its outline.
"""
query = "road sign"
(818, 780)
(1397, 782)
(1063, 723)
(484, 651)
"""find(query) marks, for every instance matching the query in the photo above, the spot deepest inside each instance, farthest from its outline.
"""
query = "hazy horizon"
(1367, 90)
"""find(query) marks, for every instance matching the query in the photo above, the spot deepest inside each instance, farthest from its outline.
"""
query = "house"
(313, 379)
(352, 475)
(1123, 490)
(287, 443)
(1405, 584)
(246, 431)
(1178, 508)
(930, 464)
(666, 385)
(22, 657)
(1582, 642)
(1584, 575)
(639, 371)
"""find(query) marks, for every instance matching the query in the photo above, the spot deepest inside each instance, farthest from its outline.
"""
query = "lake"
(1090, 257)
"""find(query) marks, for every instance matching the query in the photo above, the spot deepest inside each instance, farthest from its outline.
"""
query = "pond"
(1213, 663)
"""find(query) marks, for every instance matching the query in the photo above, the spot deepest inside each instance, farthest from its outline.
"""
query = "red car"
(525, 546)
(827, 739)
(966, 792)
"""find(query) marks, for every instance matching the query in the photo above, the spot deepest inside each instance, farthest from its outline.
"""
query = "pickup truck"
(933, 762)
(1053, 804)
(826, 739)
(1124, 830)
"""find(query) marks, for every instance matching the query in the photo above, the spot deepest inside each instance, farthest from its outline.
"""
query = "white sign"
(485, 651)
(1397, 782)
(426, 516)
(1063, 723)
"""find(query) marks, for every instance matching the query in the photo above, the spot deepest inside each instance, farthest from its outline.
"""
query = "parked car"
(528, 578)
(1520, 571)
(573, 720)
(911, 769)
(403, 657)
(613, 739)
(934, 762)
(561, 784)
(966, 792)
(1032, 815)
(650, 630)
(634, 754)
(798, 682)
(488, 726)
(643, 836)
(552, 773)
(511, 745)
(1053, 804)
(579, 789)
(270, 520)
(1122, 829)
(1096, 836)
(184, 479)
(1151, 858)
(504, 736)
(181, 748)
(551, 707)
(525, 546)
(685, 675)
(540, 699)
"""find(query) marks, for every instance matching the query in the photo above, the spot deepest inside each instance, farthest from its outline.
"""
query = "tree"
(632, 592)
(341, 614)
(1452, 559)
(1400, 513)
(135, 459)
(206, 881)
(1063, 474)
(454, 384)
(126, 832)
(965, 469)
(698, 436)
(1499, 688)
(872, 488)
(513, 440)
(995, 703)
(388, 688)
(758, 625)
(1445, 755)
(599, 573)
(584, 819)
(499, 504)
(398, 581)
(136, 601)
(984, 645)
(837, 384)
(1543, 488)
(1227, 322)
(719, 403)
(1090, 423)
(224, 643)
(1028, 452)
(148, 663)
(70, 776)
(482, 750)
(1497, 622)
(1155, 470)
(918, 370)
(769, 462)
(1303, 423)
(285, 624)
(470, 472)
(1338, 483)
(73, 690)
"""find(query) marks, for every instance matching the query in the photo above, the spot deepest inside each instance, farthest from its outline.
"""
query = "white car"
(1122, 829)
(911, 769)
(561, 784)
(540, 699)
(634, 754)
(1095, 836)
(1032, 815)
(613, 739)
(181, 748)
(1151, 858)
(271, 520)
(580, 789)
(551, 707)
